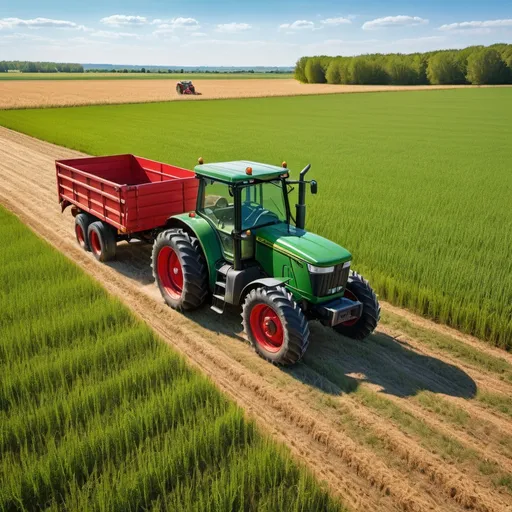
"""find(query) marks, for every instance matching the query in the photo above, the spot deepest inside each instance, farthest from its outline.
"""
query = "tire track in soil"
(362, 478)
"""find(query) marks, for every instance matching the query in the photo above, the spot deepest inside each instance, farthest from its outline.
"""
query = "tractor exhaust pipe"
(301, 205)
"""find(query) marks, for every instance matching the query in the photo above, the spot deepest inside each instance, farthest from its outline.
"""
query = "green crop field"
(96, 413)
(417, 185)
(140, 76)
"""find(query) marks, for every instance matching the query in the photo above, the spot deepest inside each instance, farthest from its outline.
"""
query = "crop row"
(97, 413)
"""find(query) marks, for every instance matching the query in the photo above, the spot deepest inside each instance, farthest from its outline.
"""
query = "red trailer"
(122, 197)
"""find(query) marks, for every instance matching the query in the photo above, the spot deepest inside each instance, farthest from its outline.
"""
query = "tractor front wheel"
(359, 289)
(179, 269)
(275, 325)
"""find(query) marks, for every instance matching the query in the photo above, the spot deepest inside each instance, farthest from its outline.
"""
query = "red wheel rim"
(266, 328)
(170, 272)
(94, 239)
(349, 295)
(80, 235)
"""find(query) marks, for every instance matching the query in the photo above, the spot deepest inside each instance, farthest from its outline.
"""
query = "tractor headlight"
(320, 270)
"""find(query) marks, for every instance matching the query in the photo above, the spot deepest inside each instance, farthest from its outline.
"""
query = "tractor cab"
(237, 198)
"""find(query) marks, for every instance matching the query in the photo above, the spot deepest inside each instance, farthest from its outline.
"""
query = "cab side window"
(218, 206)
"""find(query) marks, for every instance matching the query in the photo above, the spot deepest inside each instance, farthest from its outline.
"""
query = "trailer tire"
(275, 325)
(82, 221)
(359, 288)
(180, 270)
(102, 241)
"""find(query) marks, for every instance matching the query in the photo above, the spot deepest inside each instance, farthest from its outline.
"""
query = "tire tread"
(370, 317)
(194, 268)
(294, 322)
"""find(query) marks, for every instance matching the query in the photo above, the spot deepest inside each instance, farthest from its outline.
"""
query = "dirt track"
(327, 409)
(46, 93)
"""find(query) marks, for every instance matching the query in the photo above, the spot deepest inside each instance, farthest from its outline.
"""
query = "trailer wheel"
(82, 221)
(102, 241)
(359, 289)
(179, 269)
(275, 325)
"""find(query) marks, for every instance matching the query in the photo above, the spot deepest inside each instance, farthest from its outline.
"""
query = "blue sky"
(236, 33)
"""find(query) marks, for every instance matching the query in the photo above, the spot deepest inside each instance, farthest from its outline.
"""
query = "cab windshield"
(263, 204)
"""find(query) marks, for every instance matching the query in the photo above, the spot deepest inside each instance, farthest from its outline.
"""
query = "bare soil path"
(355, 412)
(48, 93)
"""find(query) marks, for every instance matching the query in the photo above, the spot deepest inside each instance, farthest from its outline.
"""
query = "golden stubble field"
(53, 93)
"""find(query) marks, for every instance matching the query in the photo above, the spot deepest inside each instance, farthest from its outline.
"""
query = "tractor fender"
(265, 282)
(201, 229)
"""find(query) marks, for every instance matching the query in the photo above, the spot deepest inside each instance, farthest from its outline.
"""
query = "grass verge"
(97, 413)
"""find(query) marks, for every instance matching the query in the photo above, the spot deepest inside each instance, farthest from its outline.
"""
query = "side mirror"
(314, 187)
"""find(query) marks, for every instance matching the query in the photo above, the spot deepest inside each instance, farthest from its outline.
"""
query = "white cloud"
(233, 27)
(169, 26)
(298, 25)
(394, 21)
(335, 21)
(39, 23)
(121, 20)
(198, 34)
(476, 26)
(176, 23)
(107, 34)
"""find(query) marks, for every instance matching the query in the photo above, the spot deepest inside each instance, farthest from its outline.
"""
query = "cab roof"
(235, 172)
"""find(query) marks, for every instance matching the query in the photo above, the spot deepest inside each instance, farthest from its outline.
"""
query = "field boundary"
(25, 94)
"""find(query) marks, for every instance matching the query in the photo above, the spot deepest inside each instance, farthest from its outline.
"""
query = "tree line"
(473, 65)
(39, 67)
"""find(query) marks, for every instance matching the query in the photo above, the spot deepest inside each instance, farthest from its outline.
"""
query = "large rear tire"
(359, 289)
(275, 325)
(179, 269)
(82, 222)
(179, 90)
(102, 240)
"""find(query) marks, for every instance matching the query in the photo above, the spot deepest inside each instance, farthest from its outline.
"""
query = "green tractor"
(242, 246)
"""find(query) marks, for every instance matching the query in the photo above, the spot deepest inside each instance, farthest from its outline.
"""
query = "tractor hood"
(300, 244)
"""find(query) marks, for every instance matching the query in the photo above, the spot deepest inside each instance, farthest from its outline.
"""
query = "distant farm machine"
(185, 87)
(225, 234)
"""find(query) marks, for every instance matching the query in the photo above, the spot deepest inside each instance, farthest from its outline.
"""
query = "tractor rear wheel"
(275, 325)
(180, 270)
(102, 240)
(82, 221)
(359, 289)
(179, 89)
